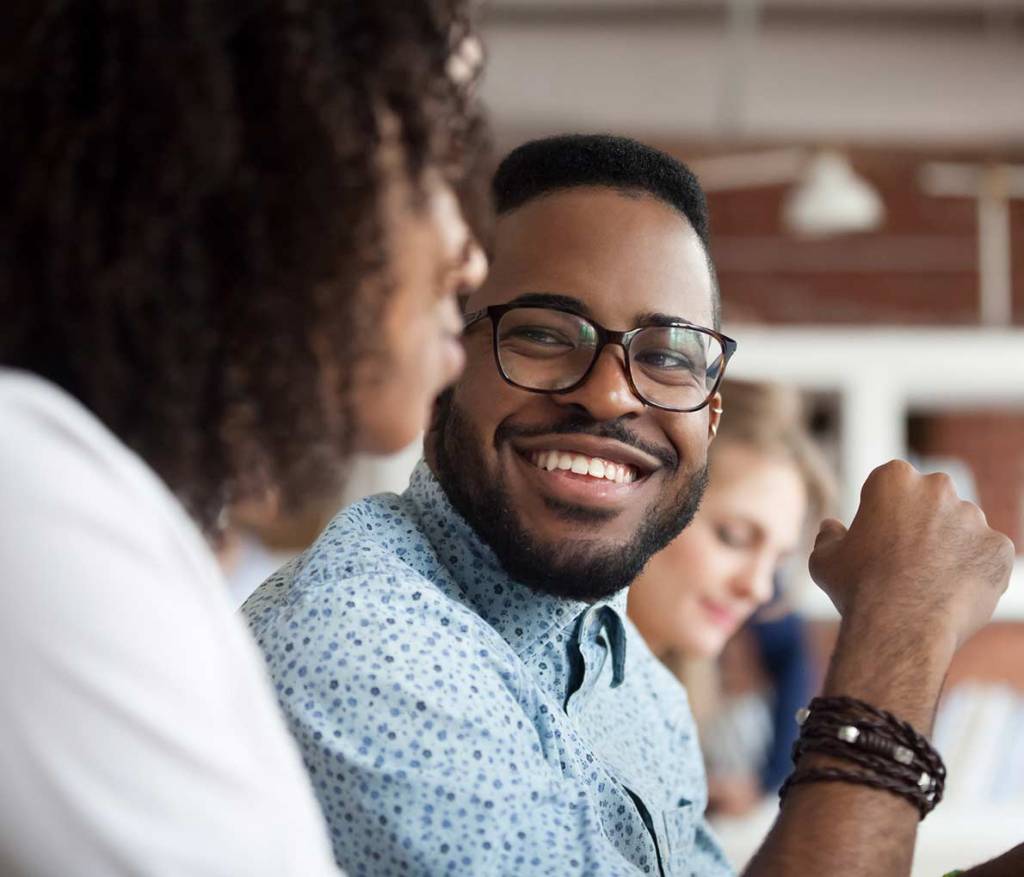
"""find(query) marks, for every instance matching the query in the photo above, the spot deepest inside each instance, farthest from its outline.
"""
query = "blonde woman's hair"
(772, 419)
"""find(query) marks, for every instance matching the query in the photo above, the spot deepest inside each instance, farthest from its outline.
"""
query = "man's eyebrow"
(654, 318)
(577, 306)
(552, 300)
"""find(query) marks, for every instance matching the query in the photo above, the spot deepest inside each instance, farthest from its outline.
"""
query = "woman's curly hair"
(190, 194)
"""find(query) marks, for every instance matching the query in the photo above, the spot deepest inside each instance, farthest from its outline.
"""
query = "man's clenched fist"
(916, 559)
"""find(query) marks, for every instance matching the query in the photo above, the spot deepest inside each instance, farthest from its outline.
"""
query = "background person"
(767, 483)
(228, 227)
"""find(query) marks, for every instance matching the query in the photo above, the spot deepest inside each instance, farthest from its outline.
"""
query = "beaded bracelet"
(888, 754)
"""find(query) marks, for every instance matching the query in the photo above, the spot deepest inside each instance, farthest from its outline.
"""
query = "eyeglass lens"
(544, 349)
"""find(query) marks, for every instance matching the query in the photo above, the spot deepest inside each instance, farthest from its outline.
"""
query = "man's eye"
(664, 359)
(537, 335)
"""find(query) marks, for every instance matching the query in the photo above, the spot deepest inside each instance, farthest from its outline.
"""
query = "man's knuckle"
(895, 472)
(1005, 549)
(895, 469)
(972, 512)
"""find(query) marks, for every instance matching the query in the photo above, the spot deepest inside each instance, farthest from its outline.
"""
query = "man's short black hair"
(568, 161)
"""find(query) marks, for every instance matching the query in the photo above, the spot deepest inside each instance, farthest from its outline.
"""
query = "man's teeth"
(595, 467)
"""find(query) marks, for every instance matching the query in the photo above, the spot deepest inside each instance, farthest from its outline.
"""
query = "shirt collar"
(525, 618)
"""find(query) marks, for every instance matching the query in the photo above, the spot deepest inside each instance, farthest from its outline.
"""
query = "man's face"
(623, 258)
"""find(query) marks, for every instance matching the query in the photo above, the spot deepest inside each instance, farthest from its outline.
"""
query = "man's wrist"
(893, 666)
(878, 629)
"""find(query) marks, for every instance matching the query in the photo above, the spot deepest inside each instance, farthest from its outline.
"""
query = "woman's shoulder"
(53, 443)
(67, 482)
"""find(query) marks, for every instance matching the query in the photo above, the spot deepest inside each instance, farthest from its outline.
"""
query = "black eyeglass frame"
(604, 338)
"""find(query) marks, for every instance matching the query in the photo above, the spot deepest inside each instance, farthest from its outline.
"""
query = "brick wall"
(919, 269)
(991, 442)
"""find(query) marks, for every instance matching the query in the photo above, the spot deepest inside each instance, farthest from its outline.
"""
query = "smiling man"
(456, 662)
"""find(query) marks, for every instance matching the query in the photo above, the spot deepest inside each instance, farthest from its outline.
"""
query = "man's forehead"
(572, 304)
(619, 254)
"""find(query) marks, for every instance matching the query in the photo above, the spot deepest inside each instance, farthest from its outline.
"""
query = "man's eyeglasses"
(547, 349)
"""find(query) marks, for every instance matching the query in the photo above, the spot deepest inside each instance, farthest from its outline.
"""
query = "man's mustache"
(580, 424)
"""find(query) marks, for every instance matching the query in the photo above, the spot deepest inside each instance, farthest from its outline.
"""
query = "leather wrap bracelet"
(884, 752)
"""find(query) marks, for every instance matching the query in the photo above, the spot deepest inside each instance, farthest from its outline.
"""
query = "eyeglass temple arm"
(473, 317)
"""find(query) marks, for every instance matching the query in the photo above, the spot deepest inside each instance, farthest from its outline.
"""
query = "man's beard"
(584, 569)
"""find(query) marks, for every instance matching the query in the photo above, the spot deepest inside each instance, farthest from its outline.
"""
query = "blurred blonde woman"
(768, 484)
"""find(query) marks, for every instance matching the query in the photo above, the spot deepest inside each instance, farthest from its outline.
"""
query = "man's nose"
(606, 393)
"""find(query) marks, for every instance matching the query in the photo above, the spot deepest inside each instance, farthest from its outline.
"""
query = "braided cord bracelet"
(890, 754)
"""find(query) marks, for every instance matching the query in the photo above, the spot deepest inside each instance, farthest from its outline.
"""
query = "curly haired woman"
(233, 240)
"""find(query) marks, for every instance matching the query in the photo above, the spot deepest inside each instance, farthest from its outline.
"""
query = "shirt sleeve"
(138, 732)
(421, 770)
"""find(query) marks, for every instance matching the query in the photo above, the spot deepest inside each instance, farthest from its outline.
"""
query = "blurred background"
(864, 162)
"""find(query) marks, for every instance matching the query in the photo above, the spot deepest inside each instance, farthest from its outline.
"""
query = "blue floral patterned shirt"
(455, 722)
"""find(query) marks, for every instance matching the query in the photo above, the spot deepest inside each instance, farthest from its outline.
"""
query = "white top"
(139, 733)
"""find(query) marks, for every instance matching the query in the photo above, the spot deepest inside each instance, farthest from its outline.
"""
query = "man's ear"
(714, 416)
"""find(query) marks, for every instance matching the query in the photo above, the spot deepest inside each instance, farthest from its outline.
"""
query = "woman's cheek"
(697, 554)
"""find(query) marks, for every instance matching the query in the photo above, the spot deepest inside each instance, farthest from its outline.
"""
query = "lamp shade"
(831, 199)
